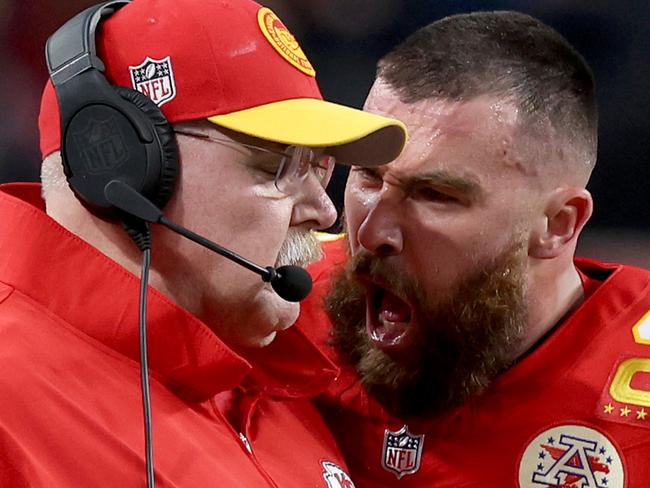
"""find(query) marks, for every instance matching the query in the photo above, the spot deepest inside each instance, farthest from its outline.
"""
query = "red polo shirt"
(70, 401)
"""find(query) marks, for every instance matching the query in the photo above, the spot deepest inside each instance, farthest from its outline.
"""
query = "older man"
(479, 352)
(221, 87)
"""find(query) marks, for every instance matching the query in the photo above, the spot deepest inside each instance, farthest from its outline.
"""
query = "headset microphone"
(292, 283)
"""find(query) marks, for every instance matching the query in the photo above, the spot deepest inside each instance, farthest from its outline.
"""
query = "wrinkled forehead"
(475, 135)
(462, 117)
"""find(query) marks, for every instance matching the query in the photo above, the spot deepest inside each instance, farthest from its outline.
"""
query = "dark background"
(345, 38)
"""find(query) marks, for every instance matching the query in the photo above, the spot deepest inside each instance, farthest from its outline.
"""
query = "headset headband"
(71, 50)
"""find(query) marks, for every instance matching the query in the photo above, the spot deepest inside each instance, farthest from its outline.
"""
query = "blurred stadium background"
(345, 38)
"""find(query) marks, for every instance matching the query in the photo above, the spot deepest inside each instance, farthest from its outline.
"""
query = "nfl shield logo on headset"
(102, 146)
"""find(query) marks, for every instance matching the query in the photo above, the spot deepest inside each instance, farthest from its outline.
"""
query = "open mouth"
(388, 319)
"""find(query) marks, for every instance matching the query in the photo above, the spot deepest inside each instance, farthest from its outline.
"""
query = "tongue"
(393, 309)
(389, 329)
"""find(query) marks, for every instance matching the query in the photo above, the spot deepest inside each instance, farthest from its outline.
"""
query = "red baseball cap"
(234, 63)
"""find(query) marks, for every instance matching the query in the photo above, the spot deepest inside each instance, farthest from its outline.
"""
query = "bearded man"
(476, 350)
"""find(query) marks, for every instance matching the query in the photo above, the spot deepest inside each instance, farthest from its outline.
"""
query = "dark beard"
(466, 339)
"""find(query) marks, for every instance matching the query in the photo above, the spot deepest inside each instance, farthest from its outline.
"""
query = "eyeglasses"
(294, 166)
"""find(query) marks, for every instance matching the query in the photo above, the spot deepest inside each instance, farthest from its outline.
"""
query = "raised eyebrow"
(465, 184)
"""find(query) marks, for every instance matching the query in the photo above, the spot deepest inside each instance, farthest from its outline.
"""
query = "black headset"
(107, 132)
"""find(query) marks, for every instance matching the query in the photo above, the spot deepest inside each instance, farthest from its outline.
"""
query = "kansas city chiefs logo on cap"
(155, 79)
(283, 41)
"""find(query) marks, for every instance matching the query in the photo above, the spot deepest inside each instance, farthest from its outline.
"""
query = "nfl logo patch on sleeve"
(571, 456)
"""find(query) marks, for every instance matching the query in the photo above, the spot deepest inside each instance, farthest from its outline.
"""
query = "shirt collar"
(99, 297)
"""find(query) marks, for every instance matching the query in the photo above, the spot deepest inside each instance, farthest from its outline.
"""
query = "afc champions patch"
(155, 79)
(571, 456)
(283, 41)
(402, 452)
(335, 477)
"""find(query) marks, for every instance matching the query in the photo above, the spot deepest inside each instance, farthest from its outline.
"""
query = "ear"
(566, 213)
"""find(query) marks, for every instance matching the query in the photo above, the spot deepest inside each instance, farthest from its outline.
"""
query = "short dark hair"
(505, 54)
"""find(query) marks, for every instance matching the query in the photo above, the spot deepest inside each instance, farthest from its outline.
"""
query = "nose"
(313, 208)
(380, 231)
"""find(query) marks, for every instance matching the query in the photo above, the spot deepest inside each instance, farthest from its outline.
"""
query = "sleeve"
(15, 468)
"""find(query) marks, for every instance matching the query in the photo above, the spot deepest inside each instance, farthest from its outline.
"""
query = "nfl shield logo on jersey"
(402, 452)
(571, 456)
(155, 79)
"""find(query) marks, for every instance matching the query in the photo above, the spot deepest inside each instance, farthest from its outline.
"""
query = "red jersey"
(70, 400)
(574, 413)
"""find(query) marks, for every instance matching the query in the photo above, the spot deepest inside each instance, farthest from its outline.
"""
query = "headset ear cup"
(164, 189)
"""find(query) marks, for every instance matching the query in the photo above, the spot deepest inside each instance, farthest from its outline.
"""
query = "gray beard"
(300, 248)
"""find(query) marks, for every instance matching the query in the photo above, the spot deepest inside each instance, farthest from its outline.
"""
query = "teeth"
(388, 323)
(389, 333)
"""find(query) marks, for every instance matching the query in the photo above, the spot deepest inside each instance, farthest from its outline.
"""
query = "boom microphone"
(292, 283)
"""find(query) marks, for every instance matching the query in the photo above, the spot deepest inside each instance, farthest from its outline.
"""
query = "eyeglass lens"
(294, 170)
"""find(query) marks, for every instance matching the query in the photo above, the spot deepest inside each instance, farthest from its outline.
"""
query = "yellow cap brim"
(351, 135)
